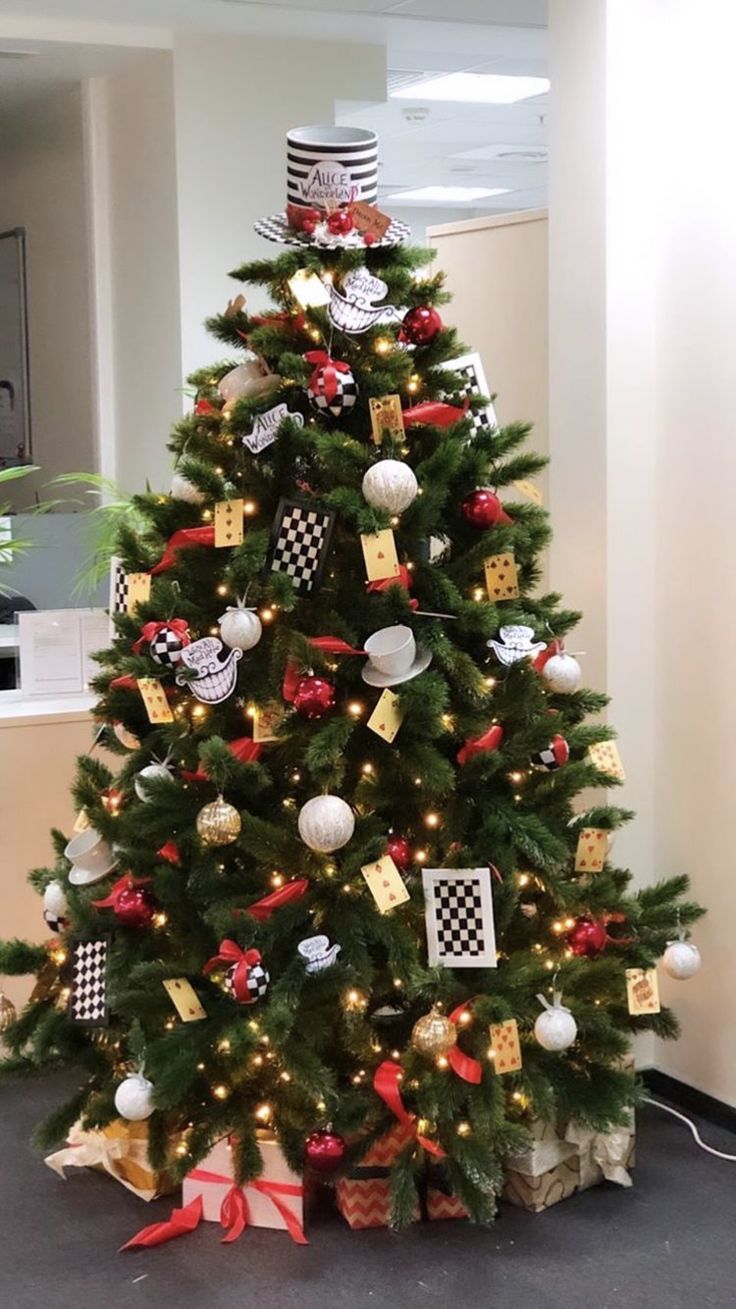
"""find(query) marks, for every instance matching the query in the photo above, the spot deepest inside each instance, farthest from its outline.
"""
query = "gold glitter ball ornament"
(434, 1034)
(8, 1013)
(218, 823)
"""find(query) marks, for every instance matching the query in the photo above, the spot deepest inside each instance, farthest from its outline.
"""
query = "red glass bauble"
(399, 850)
(134, 907)
(324, 1151)
(314, 696)
(340, 222)
(309, 225)
(588, 937)
(421, 325)
(369, 238)
(483, 509)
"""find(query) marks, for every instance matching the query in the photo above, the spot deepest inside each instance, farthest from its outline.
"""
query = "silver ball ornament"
(555, 1028)
(134, 1098)
(183, 489)
(390, 485)
(326, 823)
(152, 772)
(681, 960)
(240, 629)
(562, 673)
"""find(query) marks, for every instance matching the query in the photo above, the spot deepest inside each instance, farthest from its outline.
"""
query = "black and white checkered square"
(257, 983)
(301, 540)
(166, 647)
(88, 1002)
(276, 228)
(459, 912)
(118, 588)
(474, 384)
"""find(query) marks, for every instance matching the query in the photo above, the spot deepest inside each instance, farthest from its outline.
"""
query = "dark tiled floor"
(666, 1244)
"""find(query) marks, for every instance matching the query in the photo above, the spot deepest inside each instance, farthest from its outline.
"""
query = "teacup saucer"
(372, 676)
(81, 877)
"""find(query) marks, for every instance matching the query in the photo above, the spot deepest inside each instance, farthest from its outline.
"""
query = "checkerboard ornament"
(301, 540)
(118, 587)
(166, 646)
(459, 917)
(473, 385)
(88, 1003)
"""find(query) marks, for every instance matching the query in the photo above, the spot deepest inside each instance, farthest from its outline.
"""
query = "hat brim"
(276, 228)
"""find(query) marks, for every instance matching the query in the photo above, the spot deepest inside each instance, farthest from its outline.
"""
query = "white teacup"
(91, 856)
(392, 650)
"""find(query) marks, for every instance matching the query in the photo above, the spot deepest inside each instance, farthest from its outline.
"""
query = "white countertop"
(17, 709)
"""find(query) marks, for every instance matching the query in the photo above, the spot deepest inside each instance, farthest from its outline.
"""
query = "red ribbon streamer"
(204, 407)
(244, 749)
(490, 740)
(170, 852)
(386, 1083)
(295, 321)
(234, 1215)
(231, 953)
(463, 1064)
(126, 683)
(184, 537)
(262, 909)
(403, 578)
(434, 412)
(149, 630)
(330, 645)
(181, 1222)
(553, 648)
(325, 373)
(123, 883)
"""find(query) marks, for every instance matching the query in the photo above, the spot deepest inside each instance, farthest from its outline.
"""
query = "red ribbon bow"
(150, 630)
(490, 740)
(184, 537)
(330, 645)
(180, 1223)
(231, 953)
(463, 1064)
(234, 1213)
(386, 1083)
(262, 909)
(123, 883)
(434, 412)
(325, 373)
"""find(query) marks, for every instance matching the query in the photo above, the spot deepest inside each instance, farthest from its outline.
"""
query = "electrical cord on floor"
(676, 1114)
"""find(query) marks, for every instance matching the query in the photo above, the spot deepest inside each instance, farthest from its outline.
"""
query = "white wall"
(42, 189)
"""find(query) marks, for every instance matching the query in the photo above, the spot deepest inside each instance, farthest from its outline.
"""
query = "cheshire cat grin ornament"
(214, 677)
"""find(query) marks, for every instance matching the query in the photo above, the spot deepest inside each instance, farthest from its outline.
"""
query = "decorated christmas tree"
(340, 875)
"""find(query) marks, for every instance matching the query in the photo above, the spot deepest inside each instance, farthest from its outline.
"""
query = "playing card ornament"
(516, 643)
(215, 677)
(555, 1028)
(326, 823)
(434, 1034)
(183, 489)
(317, 953)
(152, 772)
(681, 960)
(240, 628)
(390, 485)
(562, 673)
(55, 907)
(134, 1098)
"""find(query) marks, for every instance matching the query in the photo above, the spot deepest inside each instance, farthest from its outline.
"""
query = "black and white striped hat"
(331, 165)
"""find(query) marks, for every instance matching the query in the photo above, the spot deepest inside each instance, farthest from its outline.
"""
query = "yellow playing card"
(591, 851)
(386, 416)
(528, 489)
(385, 883)
(184, 999)
(229, 522)
(379, 552)
(81, 822)
(387, 716)
(157, 706)
(266, 719)
(139, 590)
(605, 757)
(506, 1047)
(502, 582)
(642, 990)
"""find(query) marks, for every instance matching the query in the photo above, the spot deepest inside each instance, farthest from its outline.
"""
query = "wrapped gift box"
(548, 1148)
(275, 1199)
(120, 1149)
(587, 1158)
(364, 1196)
(441, 1203)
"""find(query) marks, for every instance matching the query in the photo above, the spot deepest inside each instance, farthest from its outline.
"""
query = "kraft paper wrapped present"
(589, 1158)
(275, 1199)
(548, 1148)
(364, 1196)
(120, 1149)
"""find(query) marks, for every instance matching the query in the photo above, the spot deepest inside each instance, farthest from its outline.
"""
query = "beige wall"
(42, 188)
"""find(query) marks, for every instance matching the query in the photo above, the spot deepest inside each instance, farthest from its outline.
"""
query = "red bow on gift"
(185, 536)
(177, 625)
(244, 960)
(324, 377)
(490, 740)
(403, 578)
(386, 1080)
(123, 883)
(434, 412)
(234, 1214)
(330, 645)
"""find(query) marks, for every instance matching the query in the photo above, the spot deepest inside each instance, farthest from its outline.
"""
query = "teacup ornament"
(215, 677)
(318, 953)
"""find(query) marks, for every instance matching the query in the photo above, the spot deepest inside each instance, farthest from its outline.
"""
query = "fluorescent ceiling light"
(448, 194)
(479, 88)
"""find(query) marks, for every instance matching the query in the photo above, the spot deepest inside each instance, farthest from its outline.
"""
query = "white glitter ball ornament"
(681, 960)
(151, 773)
(326, 823)
(562, 673)
(134, 1098)
(183, 489)
(390, 485)
(240, 628)
(555, 1028)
